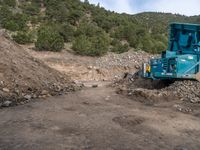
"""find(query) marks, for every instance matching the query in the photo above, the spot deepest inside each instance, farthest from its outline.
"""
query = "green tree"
(11, 3)
(57, 11)
(31, 9)
(82, 45)
(49, 40)
(96, 40)
(67, 31)
(22, 38)
(120, 48)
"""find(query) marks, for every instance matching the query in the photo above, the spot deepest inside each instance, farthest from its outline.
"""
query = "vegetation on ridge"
(91, 29)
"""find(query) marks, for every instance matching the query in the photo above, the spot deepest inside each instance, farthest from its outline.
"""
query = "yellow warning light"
(148, 68)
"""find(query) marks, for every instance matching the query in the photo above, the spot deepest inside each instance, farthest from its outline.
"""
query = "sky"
(183, 7)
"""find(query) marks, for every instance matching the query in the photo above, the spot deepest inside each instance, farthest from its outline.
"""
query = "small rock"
(44, 92)
(6, 104)
(6, 90)
(129, 94)
(90, 67)
(107, 98)
(95, 85)
(27, 97)
(137, 67)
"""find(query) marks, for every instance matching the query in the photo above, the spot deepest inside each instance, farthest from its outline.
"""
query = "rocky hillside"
(90, 29)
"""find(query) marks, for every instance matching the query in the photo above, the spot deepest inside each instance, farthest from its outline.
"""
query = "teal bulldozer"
(182, 58)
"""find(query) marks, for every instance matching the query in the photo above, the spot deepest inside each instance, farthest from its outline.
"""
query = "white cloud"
(185, 7)
(120, 6)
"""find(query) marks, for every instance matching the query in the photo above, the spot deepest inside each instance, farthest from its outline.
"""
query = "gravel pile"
(186, 90)
(113, 66)
(129, 59)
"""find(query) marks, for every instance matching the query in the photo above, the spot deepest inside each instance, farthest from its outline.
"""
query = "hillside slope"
(92, 30)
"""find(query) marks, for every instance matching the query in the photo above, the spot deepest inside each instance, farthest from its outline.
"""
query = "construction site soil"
(23, 77)
(110, 112)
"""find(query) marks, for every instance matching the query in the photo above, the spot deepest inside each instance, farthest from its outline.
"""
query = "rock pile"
(127, 59)
(112, 66)
(186, 90)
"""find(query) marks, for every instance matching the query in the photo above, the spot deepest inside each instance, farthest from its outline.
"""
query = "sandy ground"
(97, 119)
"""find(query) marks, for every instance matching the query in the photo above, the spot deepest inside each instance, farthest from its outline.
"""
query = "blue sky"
(185, 7)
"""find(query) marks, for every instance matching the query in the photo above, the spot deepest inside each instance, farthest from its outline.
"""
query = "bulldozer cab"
(184, 39)
(182, 58)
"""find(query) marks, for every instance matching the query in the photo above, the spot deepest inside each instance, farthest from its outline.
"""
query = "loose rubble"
(187, 90)
(114, 65)
(184, 90)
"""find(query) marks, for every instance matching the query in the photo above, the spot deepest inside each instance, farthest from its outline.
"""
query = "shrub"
(159, 47)
(31, 9)
(82, 45)
(49, 40)
(10, 25)
(100, 44)
(91, 46)
(11, 3)
(67, 31)
(22, 38)
(5, 14)
(91, 40)
(56, 10)
(120, 48)
(16, 22)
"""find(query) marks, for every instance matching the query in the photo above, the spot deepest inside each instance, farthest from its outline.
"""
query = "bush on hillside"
(5, 14)
(91, 46)
(57, 11)
(82, 45)
(15, 22)
(158, 48)
(31, 9)
(67, 31)
(22, 38)
(120, 48)
(11, 3)
(49, 40)
(91, 40)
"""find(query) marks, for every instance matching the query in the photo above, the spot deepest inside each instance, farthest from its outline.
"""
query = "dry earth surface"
(97, 119)
(129, 114)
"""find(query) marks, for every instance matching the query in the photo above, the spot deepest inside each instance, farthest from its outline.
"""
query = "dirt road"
(96, 119)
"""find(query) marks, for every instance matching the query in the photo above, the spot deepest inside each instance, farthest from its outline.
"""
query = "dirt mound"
(23, 77)
(185, 90)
